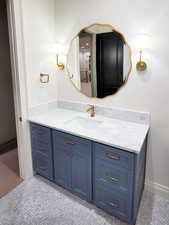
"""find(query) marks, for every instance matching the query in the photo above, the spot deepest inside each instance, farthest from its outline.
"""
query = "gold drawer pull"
(112, 179)
(71, 154)
(40, 149)
(42, 167)
(114, 205)
(69, 142)
(112, 157)
(40, 132)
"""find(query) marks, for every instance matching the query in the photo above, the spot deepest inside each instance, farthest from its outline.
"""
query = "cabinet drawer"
(40, 133)
(113, 177)
(45, 150)
(41, 139)
(113, 203)
(42, 165)
(114, 156)
(71, 142)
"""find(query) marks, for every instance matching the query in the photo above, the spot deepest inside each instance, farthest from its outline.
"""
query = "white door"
(19, 86)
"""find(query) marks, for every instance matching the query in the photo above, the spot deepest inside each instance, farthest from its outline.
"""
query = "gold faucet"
(91, 110)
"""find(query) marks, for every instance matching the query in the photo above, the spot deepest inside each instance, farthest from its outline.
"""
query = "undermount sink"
(82, 122)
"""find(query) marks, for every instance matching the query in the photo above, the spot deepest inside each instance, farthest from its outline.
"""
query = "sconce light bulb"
(141, 65)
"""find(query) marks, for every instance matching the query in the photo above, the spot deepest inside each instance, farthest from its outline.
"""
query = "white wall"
(7, 116)
(39, 39)
(147, 91)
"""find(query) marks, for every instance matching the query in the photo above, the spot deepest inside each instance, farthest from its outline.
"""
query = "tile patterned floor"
(40, 202)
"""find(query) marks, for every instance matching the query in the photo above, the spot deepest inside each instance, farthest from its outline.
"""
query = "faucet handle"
(90, 107)
(91, 110)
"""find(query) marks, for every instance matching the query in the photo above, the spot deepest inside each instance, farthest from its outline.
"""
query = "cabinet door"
(72, 163)
(62, 167)
(81, 174)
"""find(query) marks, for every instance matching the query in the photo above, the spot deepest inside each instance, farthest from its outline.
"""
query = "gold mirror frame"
(130, 58)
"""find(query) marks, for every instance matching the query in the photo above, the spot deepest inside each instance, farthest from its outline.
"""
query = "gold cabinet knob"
(112, 204)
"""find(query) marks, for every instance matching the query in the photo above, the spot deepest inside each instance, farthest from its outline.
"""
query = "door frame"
(18, 66)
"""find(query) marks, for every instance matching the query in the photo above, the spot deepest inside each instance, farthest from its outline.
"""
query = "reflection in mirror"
(99, 61)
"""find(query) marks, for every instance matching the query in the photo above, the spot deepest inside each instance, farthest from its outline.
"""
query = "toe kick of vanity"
(111, 178)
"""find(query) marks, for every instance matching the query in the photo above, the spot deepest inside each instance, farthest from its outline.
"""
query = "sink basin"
(82, 122)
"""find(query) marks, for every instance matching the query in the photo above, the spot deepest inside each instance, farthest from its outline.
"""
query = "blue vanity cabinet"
(72, 163)
(111, 178)
(42, 153)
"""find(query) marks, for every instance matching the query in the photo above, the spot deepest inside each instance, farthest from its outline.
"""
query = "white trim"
(157, 189)
(14, 12)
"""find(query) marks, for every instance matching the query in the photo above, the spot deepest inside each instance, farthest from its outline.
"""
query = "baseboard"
(7, 146)
(157, 188)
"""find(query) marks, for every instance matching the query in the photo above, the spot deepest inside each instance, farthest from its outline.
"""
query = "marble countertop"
(123, 134)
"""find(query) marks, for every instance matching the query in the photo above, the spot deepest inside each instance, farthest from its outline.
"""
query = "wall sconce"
(141, 65)
(44, 78)
(60, 55)
(142, 41)
(60, 64)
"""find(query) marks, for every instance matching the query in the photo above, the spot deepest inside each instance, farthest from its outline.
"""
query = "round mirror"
(99, 61)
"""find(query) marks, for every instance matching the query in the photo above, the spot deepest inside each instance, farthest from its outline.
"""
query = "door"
(72, 163)
(109, 57)
(62, 167)
(81, 173)
(19, 87)
(62, 159)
